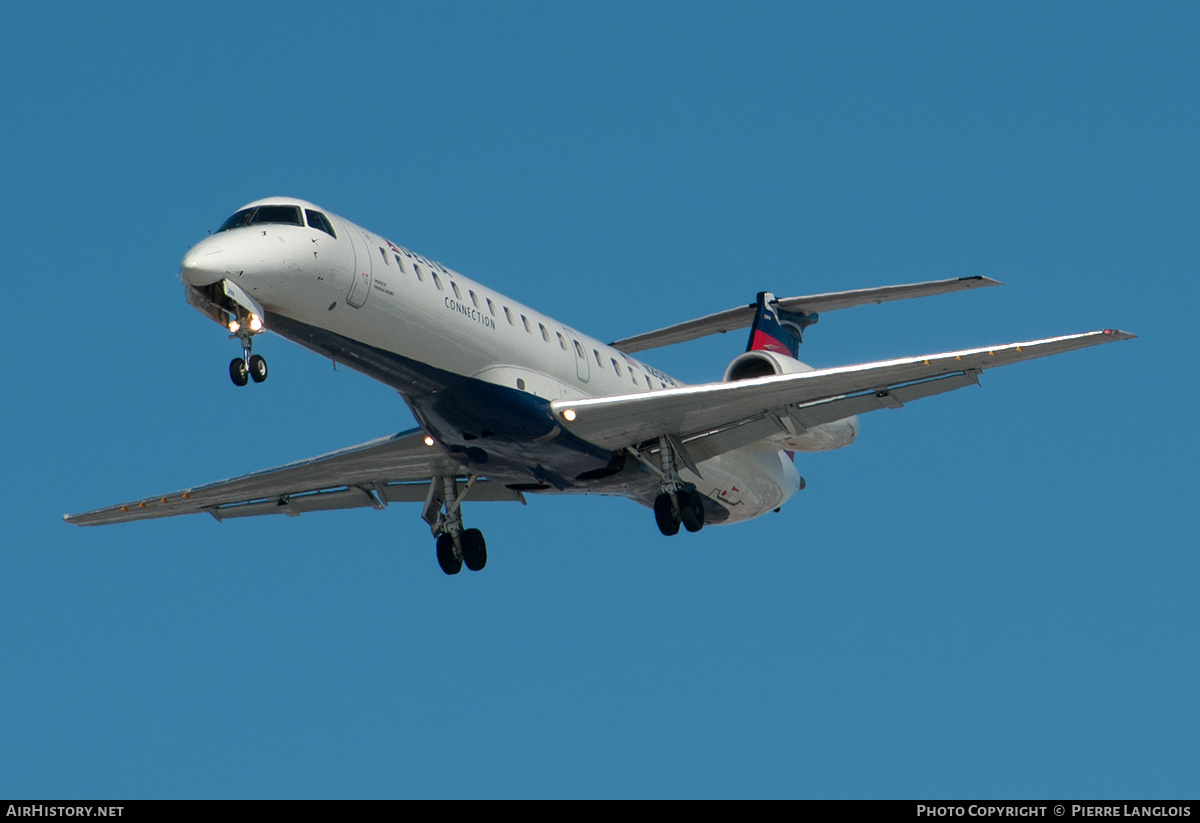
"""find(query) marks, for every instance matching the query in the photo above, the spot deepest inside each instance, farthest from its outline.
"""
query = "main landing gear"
(684, 506)
(678, 502)
(456, 546)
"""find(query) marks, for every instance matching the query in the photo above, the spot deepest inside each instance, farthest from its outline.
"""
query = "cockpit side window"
(286, 215)
(242, 218)
(317, 220)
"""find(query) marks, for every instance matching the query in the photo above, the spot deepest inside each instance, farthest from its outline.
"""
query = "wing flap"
(352, 497)
(827, 411)
(357, 476)
(375, 496)
(811, 398)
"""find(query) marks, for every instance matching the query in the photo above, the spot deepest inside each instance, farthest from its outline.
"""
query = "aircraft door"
(582, 367)
(360, 286)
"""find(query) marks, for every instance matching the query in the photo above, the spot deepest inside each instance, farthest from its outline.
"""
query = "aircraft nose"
(204, 263)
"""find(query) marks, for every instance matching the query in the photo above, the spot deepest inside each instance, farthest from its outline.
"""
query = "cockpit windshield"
(287, 215)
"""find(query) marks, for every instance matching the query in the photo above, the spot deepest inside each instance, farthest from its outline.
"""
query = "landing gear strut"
(456, 546)
(678, 502)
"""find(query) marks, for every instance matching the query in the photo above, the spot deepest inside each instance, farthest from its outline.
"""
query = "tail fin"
(777, 330)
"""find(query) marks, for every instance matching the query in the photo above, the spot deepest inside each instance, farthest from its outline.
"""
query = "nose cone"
(204, 263)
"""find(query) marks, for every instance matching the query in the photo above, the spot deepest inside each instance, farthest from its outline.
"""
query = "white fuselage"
(477, 368)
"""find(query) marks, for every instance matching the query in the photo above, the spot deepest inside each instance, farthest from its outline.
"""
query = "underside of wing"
(717, 417)
(391, 469)
(743, 316)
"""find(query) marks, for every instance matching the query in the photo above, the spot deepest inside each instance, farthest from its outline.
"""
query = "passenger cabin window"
(383, 254)
(259, 215)
(316, 220)
(399, 262)
(437, 281)
(417, 269)
(525, 320)
(508, 316)
(545, 334)
(457, 293)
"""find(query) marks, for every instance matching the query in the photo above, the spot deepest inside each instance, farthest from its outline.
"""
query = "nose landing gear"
(238, 373)
(243, 371)
(249, 366)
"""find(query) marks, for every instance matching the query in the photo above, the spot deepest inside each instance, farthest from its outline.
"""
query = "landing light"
(255, 323)
(428, 440)
(569, 415)
(234, 326)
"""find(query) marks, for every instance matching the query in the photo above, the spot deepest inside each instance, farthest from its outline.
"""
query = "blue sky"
(991, 594)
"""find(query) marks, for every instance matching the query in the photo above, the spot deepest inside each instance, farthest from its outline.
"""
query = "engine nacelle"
(762, 363)
(823, 437)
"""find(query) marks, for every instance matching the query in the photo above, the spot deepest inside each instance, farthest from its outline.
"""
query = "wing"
(717, 417)
(390, 469)
(743, 316)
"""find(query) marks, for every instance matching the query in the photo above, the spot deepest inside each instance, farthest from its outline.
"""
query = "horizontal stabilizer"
(743, 316)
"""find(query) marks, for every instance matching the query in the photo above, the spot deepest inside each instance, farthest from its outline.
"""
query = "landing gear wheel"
(450, 562)
(691, 510)
(257, 367)
(238, 372)
(474, 549)
(665, 515)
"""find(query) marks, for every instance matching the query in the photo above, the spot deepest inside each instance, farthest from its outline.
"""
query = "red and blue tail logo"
(777, 330)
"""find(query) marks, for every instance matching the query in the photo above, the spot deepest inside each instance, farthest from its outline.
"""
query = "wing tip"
(979, 281)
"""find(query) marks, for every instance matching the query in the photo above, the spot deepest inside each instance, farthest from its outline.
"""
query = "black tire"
(665, 516)
(474, 549)
(238, 372)
(447, 559)
(257, 368)
(691, 510)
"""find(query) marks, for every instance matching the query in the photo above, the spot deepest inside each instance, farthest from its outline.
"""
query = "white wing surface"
(390, 469)
(717, 417)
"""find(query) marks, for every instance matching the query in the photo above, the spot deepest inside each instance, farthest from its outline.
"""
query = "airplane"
(510, 402)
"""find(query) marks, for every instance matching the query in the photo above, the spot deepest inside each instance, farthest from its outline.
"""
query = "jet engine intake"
(798, 431)
(762, 363)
